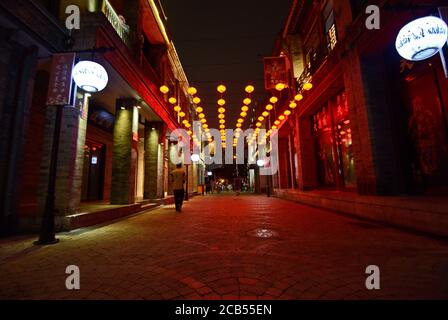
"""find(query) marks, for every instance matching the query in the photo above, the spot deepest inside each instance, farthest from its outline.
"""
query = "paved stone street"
(228, 247)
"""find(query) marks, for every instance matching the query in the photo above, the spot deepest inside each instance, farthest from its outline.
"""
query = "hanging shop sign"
(90, 76)
(60, 86)
(422, 38)
(275, 72)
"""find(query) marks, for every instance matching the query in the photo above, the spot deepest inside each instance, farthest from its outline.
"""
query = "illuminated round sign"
(422, 38)
(90, 76)
(195, 157)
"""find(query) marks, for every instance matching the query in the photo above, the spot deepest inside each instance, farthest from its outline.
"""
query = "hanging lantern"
(192, 91)
(249, 89)
(422, 38)
(164, 89)
(280, 86)
(307, 86)
(221, 88)
(90, 76)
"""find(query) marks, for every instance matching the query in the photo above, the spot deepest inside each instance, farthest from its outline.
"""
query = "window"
(323, 141)
(330, 25)
(333, 144)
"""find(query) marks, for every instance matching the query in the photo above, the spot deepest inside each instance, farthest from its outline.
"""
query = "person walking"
(237, 180)
(178, 176)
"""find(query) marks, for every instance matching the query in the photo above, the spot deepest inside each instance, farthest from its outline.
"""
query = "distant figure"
(178, 176)
(213, 186)
(208, 186)
(237, 181)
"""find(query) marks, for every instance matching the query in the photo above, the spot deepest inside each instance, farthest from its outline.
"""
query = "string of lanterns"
(222, 113)
(192, 91)
(249, 89)
(307, 86)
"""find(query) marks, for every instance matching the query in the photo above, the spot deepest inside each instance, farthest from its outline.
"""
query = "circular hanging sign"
(422, 38)
(90, 76)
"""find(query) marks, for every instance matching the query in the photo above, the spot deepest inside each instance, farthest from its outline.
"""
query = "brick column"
(70, 158)
(154, 135)
(123, 186)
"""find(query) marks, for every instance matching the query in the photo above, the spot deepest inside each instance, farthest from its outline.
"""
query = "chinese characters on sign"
(275, 71)
(60, 87)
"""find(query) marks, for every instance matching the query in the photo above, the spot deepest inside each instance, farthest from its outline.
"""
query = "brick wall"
(70, 160)
(18, 68)
(121, 158)
(153, 164)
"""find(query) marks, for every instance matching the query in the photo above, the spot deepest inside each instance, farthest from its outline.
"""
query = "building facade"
(372, 123)
(114, 145)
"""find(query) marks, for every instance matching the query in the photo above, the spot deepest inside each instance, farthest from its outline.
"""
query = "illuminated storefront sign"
(90, 76)
(422, 38)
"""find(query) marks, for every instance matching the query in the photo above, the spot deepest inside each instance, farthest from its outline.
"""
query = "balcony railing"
(117, 23)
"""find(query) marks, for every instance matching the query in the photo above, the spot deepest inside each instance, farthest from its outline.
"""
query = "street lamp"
(90, 77)
(195, 158)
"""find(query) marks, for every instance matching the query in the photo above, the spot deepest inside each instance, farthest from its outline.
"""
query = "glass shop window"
(323, 140)
(333, 141)
(344, 141)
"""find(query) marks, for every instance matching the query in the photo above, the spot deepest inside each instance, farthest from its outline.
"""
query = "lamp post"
(90, 77)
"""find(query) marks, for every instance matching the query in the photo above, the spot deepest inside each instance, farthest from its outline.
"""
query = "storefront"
(425, 98)
(96, 178)
(332, 136)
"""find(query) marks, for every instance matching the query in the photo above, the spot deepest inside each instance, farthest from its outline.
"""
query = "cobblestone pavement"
(228, 247)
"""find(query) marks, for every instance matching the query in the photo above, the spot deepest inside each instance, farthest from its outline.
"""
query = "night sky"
(225, 42)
